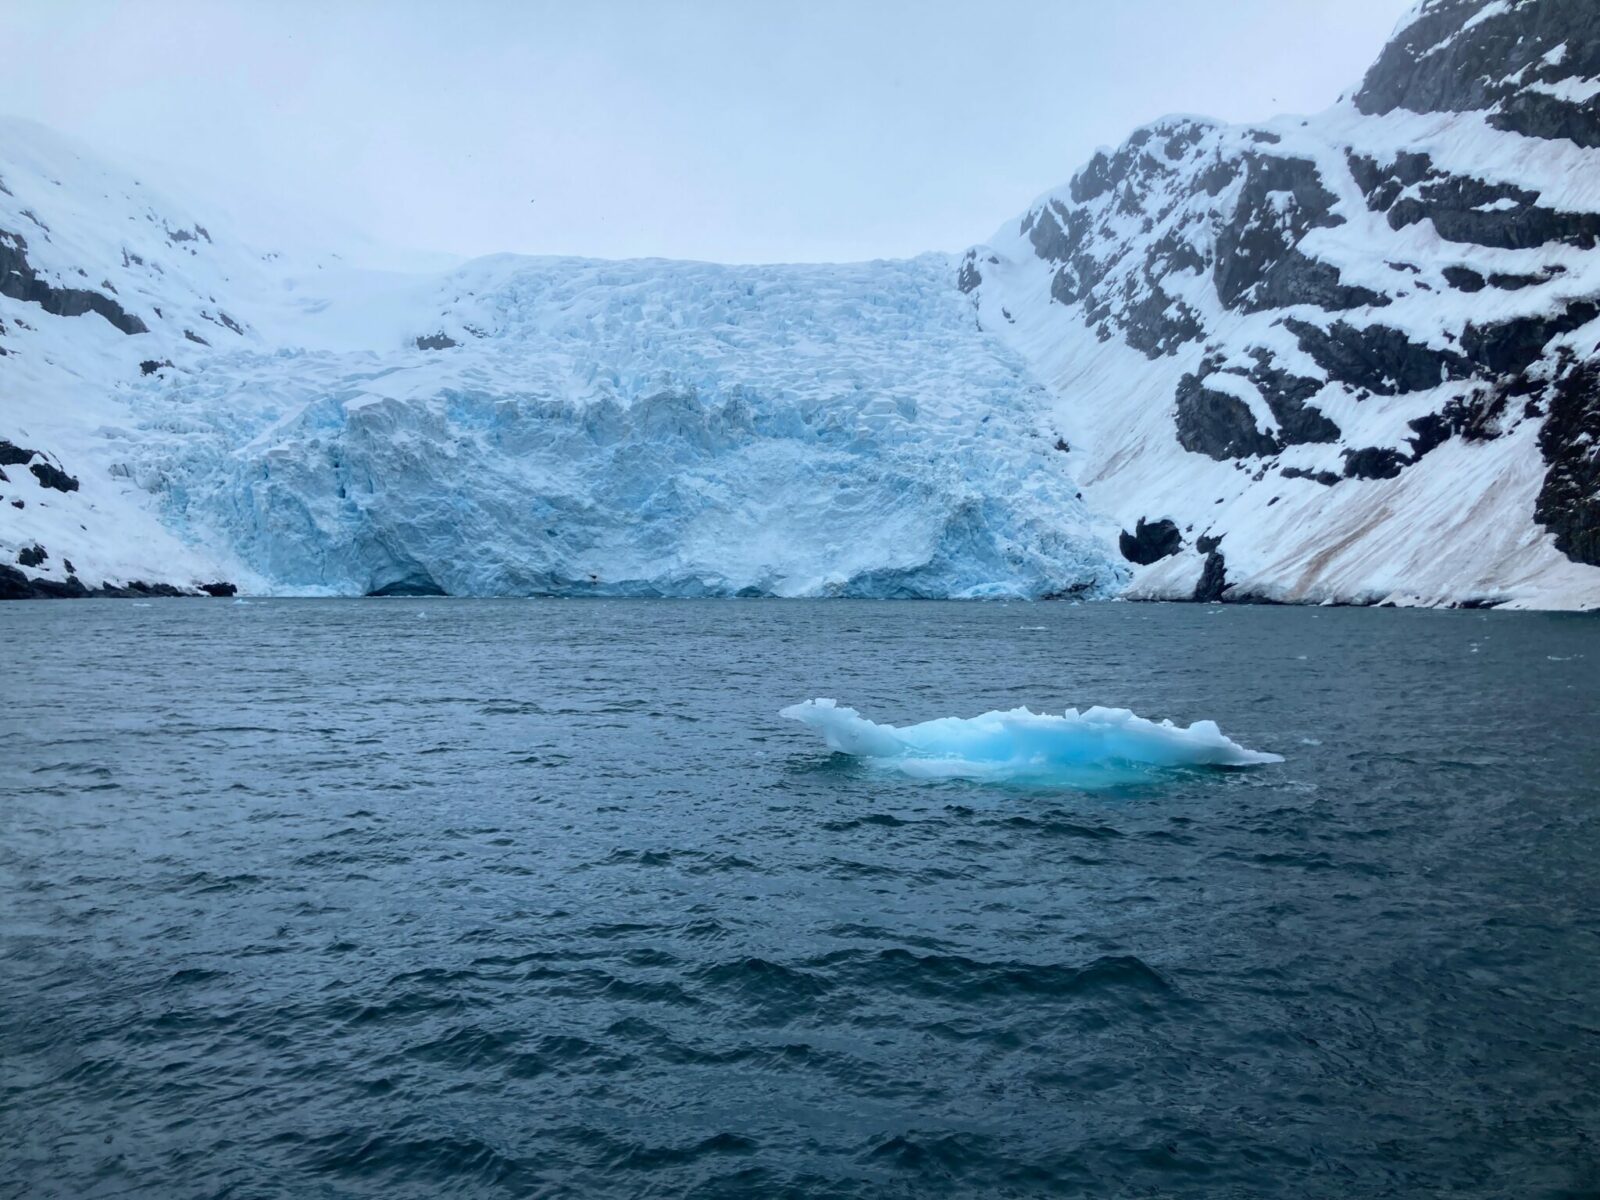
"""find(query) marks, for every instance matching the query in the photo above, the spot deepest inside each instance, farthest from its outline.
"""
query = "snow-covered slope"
(1353, 357)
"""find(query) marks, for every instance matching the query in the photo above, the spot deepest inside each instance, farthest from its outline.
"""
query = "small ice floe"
(1096, 745)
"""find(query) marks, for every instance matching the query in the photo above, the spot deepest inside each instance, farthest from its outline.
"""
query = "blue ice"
(1098, 743)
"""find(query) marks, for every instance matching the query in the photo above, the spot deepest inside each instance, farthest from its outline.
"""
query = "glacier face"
(634, 428)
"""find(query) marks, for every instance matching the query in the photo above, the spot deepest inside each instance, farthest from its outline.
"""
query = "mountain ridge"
(1319, 304)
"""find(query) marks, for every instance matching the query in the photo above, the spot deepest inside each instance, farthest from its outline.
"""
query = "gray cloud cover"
(709, 129)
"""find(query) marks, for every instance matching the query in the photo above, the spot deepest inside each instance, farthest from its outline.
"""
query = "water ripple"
(543, 899)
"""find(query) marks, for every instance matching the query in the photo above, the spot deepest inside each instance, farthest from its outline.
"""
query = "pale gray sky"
(735, 130)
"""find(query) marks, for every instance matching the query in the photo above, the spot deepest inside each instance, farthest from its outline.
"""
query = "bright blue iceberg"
(1096, 745)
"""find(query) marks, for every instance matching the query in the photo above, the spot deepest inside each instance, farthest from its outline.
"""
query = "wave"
(1096, 745)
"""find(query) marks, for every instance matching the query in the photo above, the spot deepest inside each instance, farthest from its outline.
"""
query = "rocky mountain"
(1349, 358)
(1353, 357)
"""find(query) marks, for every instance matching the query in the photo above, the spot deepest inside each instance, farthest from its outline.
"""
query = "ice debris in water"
(1025, 745)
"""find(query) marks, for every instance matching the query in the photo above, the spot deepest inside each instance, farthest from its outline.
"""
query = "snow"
(1098, 744)
(1495, 8)
(1573, 91)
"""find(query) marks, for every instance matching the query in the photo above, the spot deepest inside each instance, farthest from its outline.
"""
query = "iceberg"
(1097, 745)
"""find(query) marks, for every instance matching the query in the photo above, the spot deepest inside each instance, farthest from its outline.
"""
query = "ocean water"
(476, 898)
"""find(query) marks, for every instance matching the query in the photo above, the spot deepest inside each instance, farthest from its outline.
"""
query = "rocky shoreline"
(15, 585)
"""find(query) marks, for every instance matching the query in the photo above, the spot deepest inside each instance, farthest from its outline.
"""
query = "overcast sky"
(734, 130)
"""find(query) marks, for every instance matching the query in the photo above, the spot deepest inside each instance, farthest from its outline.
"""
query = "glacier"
(1096, 746)
(305, 422)
(643, 428)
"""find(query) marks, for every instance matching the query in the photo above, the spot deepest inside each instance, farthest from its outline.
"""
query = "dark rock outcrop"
(1569, 500)
(436, 341)
(1509, 347)
(1409, 189)
(1150, 542)
(51, 476)
(1218, 425)
(1376, 358)
(20, 281)
(1213, 576)
(1475, 55)
(15, 585)
(968, 279)
(47, 473)
(1374, 462)
(1326, 478)
(1259, 264)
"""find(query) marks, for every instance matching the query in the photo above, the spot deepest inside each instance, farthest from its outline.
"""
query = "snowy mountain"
(1353, 358)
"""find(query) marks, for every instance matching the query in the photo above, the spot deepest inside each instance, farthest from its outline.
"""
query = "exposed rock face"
(20, 281)
(1331, 303)
(1516, 61)
(1151, 542)
(1569, 501)
(47, 473)
(51, 476)
(1213, 584)
(15, 585)
(1218, 424)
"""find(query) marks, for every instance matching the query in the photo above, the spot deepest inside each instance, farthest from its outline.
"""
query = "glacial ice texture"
(1098, 745)
(640, 428)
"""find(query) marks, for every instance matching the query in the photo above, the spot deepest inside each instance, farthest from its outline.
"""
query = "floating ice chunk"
(1024, 745)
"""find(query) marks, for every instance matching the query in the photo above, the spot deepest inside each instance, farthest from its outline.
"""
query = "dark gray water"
(472, 898)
